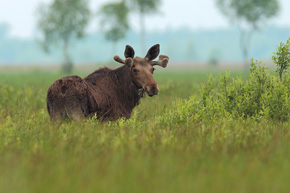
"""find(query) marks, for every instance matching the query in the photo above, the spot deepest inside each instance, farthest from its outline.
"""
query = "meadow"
(164, 147)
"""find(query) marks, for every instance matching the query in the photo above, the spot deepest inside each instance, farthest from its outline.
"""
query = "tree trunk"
(245, 40)
(67, 65)
(142, 33)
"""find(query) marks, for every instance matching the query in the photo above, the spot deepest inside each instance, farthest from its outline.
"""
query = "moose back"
(107, 93)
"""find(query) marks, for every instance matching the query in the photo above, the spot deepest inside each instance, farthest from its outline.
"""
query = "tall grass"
(142, 154)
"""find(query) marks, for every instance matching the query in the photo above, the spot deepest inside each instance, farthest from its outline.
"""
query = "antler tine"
(163, 61)
(118, 59)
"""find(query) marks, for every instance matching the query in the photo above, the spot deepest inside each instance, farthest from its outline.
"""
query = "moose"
(107, 93)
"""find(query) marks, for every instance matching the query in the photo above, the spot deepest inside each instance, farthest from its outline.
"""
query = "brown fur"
(110, 94)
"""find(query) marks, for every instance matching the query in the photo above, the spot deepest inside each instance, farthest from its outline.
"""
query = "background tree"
(62, 21)
(249, 15)
(144, 7)
(114, 21)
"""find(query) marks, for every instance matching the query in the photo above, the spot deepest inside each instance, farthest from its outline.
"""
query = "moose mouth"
(151, 93)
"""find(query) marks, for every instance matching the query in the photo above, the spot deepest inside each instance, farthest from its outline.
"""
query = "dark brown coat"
(110, 94)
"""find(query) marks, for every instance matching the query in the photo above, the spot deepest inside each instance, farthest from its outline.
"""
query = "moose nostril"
(152, 90)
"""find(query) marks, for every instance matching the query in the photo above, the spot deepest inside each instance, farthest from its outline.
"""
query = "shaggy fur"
(109, 94)
(106, 93)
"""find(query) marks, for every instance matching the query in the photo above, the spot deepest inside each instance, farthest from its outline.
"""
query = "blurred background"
(193, 33)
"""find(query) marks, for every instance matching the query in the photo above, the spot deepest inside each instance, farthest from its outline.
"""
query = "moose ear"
(129, 52)
(153, 52)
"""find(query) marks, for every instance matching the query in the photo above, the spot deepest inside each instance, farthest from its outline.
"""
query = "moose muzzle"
(152, 89)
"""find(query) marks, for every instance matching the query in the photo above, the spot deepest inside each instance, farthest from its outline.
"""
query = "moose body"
(107, 93)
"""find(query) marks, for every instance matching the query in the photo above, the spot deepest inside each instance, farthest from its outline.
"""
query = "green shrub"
(262, 96)
(282, 58)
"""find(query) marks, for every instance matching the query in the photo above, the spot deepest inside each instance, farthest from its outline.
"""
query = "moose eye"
(135, 70)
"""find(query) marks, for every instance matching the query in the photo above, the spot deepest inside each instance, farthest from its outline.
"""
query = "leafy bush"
(282, 57)
(262, 96)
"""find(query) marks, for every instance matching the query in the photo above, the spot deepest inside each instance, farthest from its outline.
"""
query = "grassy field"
(139, 155)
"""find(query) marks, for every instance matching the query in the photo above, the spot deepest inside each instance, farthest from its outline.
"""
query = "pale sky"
(195, 14)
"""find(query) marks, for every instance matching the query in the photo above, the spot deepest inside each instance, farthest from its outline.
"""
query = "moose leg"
(76, 102)
(75, 110)
(56, 110)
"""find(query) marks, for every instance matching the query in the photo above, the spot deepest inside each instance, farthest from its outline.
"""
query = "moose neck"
(123, 74)
(126, 83)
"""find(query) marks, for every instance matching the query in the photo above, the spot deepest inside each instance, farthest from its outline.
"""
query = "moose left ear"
(153, 52)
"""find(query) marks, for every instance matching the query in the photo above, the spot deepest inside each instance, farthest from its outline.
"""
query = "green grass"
(141, 154)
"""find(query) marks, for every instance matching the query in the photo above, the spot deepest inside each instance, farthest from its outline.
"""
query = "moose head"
(141, 69)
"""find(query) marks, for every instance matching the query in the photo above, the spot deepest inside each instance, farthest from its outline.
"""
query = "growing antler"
(163, 61)
(118, 59)
(128, 61)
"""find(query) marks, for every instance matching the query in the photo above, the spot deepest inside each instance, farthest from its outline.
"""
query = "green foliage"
(249, 15)
(262, 96)
(154, 151)
(250, 11)
(62, 21)
(282, 58)
(115, 20)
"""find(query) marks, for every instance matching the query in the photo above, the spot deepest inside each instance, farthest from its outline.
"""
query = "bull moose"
(107, 93)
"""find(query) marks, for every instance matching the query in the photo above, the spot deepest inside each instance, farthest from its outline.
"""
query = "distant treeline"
(181, 45)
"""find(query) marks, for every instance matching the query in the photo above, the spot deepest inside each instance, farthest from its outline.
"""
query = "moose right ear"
(129, 52)
(153, 52)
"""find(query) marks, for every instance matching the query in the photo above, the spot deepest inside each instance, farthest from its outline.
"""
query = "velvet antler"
(128, 61)
(118, 59)
(163, 61)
